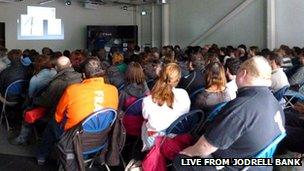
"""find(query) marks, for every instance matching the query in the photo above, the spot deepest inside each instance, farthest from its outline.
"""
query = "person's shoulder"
(180, 91)
(111, 87)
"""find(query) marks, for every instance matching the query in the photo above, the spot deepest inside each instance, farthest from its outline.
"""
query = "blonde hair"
(117, 58)
(258, 68)
(162, 90)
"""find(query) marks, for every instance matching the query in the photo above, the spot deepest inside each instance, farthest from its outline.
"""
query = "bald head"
(62, 63)
(255, 71)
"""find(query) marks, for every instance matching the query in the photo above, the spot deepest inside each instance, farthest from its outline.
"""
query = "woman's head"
(162, 90)
(135, 73)
(42, 62)
(215, 75)
(117, 58)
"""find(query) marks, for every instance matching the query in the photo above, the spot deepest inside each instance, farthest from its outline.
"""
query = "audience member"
(49, 98)
(135, 86)
(43, 74)
(77, 102)
(16, 71)
(4, 61)
(165, 104)
(278, 76)
(232, 66)
(243, 127)
(298, 76)
(195, 80)
(215, 90)
(76, 58)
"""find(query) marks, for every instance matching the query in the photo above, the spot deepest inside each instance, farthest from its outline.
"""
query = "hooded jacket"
(130, 93)
(51, 96)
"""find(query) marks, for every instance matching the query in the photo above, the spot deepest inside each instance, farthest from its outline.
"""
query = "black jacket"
(51, 96)
(13, 73)
(75, 141)
(192, 82)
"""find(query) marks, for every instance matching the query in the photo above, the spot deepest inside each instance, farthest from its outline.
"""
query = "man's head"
(232, 66)
(3, 51)
(93, 68)
(196, 61)
(275, 61)
(14, 55)
(255, 71)
(62, 63)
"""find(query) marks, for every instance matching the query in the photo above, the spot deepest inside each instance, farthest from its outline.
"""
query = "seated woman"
(43, 74)
(165, 104)
(134, 89)
(116, 72)
(215, 91)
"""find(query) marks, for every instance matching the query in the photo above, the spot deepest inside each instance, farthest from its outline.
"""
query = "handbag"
(34, 114)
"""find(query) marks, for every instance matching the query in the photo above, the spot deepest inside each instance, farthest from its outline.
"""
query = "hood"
(137, 90)
(68, 74)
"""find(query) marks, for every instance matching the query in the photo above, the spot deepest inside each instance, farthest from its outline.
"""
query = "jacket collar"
(97, 79)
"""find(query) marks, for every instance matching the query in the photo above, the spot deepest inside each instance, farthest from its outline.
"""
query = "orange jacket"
(82, 99)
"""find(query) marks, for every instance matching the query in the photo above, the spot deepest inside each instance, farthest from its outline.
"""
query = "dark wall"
(2, 34)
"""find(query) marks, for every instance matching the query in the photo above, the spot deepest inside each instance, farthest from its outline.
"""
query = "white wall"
(74, 17)
(289, 22)
(190, 18)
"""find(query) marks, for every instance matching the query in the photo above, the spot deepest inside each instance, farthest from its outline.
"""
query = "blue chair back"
(185, 123)
(16, 88)
(279, 95)
(270, 149)
(215, 111)
(135, 108)
(195, 93)
(121, 87)
(96, 123)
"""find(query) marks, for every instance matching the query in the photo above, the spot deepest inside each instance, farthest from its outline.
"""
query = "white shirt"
(278, 80)
(160, 118)
(232, 89)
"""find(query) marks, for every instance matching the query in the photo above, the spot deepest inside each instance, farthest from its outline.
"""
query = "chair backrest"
(279, 95)
(185, 123)
(270, 149)
(135, 109)
(94, 127)
(215, 111)
(194, 94)
(16, 88)
(121, 87)
(150, 83)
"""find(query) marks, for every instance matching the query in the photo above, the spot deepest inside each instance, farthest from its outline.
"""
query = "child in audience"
(165, 104)
(215, 91)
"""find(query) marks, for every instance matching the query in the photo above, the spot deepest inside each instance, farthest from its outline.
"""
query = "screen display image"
(111, 36)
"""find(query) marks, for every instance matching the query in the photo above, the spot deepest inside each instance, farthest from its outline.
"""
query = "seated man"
(49, 99)
(16, 71)
(78, 102)
(297, 77)
(246, 124)
(195, 79)
(232, 65)
(278, 76)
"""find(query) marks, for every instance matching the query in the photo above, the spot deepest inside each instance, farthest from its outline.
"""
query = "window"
(40, 23)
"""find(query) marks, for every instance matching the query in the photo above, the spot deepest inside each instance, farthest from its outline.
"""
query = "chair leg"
(108, 168)
(3, 116)
(122, 160)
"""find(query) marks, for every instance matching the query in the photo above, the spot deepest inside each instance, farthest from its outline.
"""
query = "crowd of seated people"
(69, 86)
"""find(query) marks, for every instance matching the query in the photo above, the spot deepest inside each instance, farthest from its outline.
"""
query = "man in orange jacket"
(79, 101)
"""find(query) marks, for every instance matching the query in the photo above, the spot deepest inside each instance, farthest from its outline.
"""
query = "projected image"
(40, 23)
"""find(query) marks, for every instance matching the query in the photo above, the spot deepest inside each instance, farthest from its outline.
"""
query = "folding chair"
(195, 93)
(121, 87)
(150, 83)
(279, 95)
(290, 95)
(18, 89)
(184, 124)
(93, 127)
(268, 151)
(132, 121)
